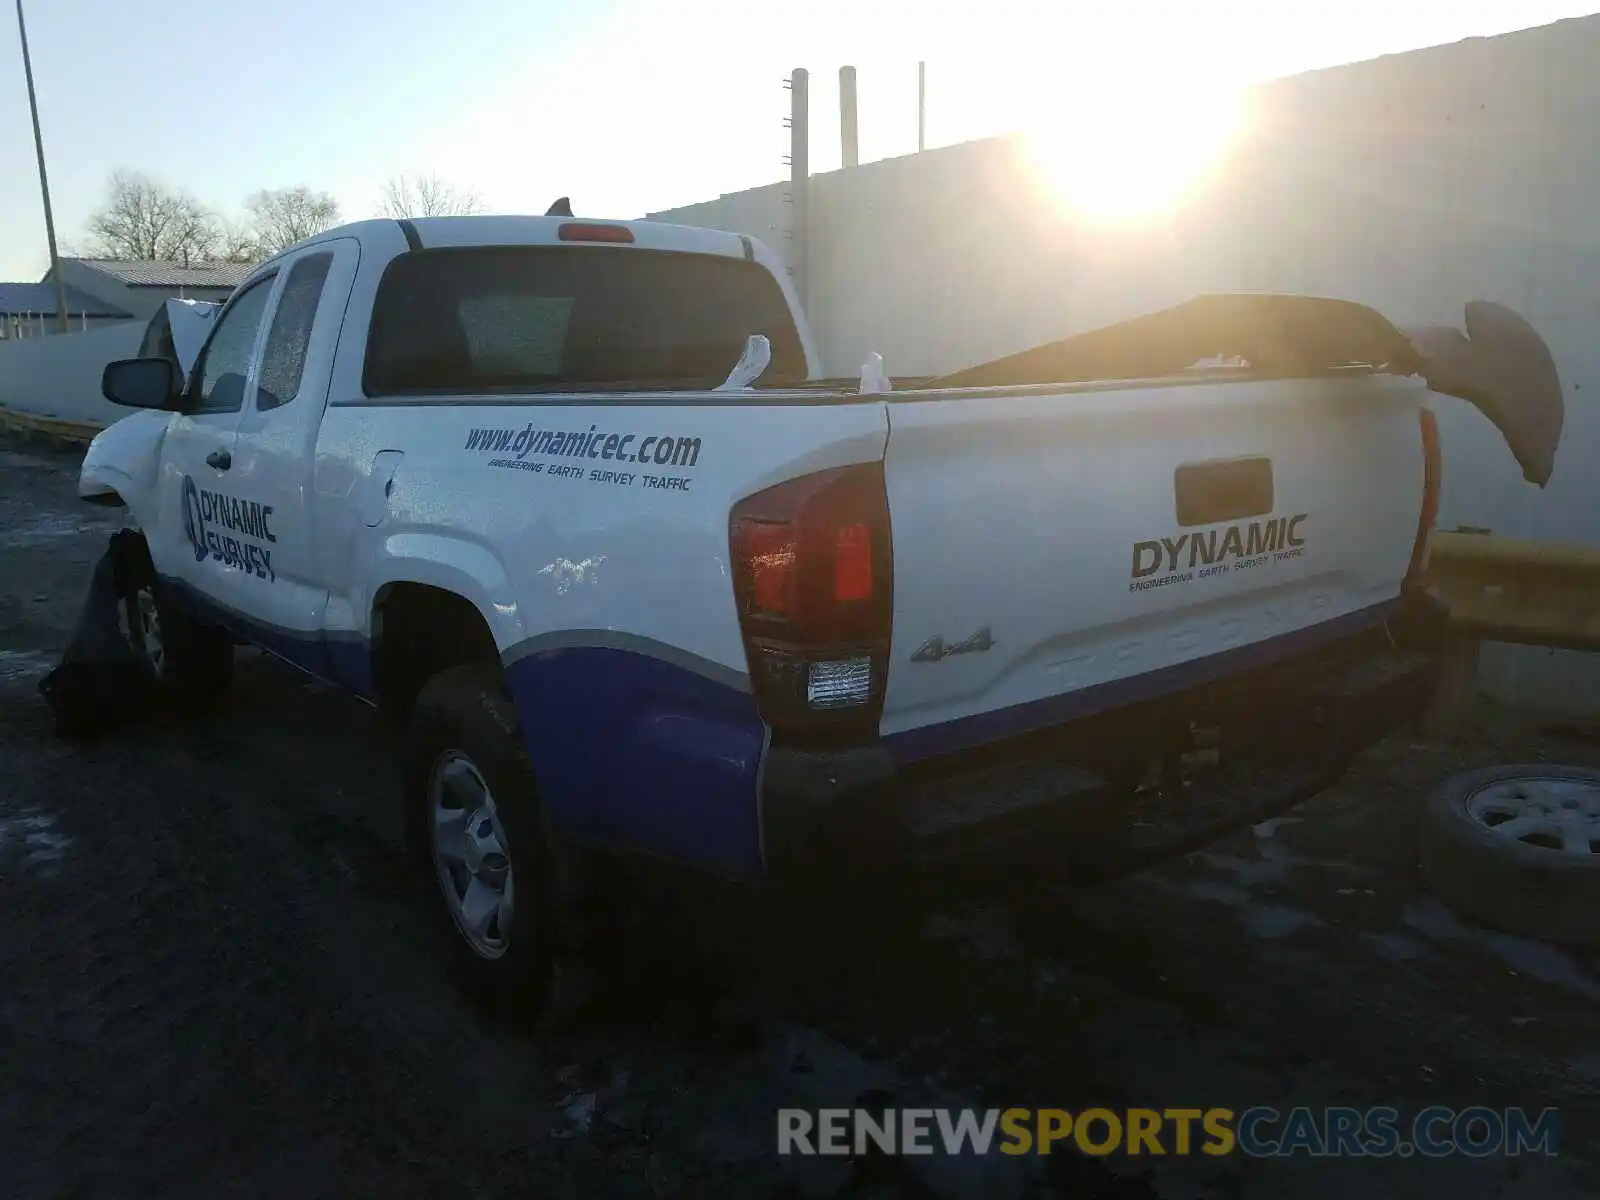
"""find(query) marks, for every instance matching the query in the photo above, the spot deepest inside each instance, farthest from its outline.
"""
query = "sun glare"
(1124, 157)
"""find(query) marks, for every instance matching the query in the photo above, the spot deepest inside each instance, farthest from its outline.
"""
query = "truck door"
(278, 593)
(189, 539)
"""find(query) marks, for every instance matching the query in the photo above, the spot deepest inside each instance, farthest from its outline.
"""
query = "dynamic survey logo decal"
(1202, 553)
(228, 529)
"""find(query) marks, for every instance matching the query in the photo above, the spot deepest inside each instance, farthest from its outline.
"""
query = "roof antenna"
(561, 208)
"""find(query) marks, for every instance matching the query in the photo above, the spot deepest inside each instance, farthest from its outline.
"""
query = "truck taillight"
(1432, 477)
(813, 575)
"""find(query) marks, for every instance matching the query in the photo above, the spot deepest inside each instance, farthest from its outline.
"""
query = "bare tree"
(283, 216)
(145, 219)
(427, 196)
(238, 243)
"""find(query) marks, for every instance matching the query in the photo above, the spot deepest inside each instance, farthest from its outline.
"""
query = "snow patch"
(31, 837)
(23, 664)
(46, 529)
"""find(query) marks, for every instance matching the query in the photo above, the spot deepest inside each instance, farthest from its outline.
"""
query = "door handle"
(220, 459)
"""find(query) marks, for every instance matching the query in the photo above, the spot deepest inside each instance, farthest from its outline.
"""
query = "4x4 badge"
(936, 649)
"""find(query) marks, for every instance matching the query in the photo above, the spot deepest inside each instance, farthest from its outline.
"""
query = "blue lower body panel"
(637, 752)
(629, 750)
(343, 661)
(929, 741)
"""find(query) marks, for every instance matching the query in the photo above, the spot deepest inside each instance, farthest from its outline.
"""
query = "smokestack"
(851, 146)
(800, 175)
(922, 106)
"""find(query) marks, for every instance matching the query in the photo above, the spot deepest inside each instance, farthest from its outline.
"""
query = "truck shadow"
(992, 980)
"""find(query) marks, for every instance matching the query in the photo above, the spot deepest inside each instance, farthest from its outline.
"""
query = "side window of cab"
(220, 376)
(283, 359)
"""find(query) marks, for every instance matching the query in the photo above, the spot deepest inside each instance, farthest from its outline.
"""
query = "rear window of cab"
(458, 321)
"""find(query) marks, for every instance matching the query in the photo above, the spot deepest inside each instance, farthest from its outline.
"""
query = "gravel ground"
(216, 978)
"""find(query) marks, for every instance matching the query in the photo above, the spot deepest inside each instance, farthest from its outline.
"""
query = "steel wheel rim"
(471, 854)
(1542, 812)
(147, 630)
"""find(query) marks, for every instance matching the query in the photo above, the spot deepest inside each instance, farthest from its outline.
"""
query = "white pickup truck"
(491, 474)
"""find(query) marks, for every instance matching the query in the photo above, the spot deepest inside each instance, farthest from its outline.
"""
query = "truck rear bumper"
(1277, 734)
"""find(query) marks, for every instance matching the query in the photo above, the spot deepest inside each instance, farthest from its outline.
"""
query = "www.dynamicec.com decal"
(206, 514)
(521, 449)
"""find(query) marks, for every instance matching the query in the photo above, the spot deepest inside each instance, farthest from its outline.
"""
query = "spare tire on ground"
(1518, 847)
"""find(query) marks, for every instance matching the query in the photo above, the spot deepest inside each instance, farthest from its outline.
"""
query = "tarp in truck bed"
(1499, 362)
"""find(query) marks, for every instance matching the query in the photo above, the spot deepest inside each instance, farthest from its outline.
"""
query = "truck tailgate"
(1060, 552)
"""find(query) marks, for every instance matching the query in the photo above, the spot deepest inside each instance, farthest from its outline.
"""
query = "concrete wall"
(60, 376)
(1412, 183)
(763, 213)
(33, 326)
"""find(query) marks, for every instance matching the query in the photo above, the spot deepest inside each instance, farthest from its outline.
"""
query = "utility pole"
(44, 179)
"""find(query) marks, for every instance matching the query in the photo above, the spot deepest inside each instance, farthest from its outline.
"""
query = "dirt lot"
(216, 978)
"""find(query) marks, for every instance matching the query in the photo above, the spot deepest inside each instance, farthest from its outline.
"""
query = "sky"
(629, 107)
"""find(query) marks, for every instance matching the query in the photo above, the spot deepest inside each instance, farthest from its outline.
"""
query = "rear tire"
(189, 662)
(478, 837)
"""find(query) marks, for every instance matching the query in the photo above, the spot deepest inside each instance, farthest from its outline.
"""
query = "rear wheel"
(478, 835)
(190, 663)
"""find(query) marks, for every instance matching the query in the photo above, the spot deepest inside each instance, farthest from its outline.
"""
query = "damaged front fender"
(1502, 366)
(122, 461)
(1499, 363)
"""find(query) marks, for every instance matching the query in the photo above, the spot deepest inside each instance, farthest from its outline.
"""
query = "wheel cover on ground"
(471, 854)
(1543, 812)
